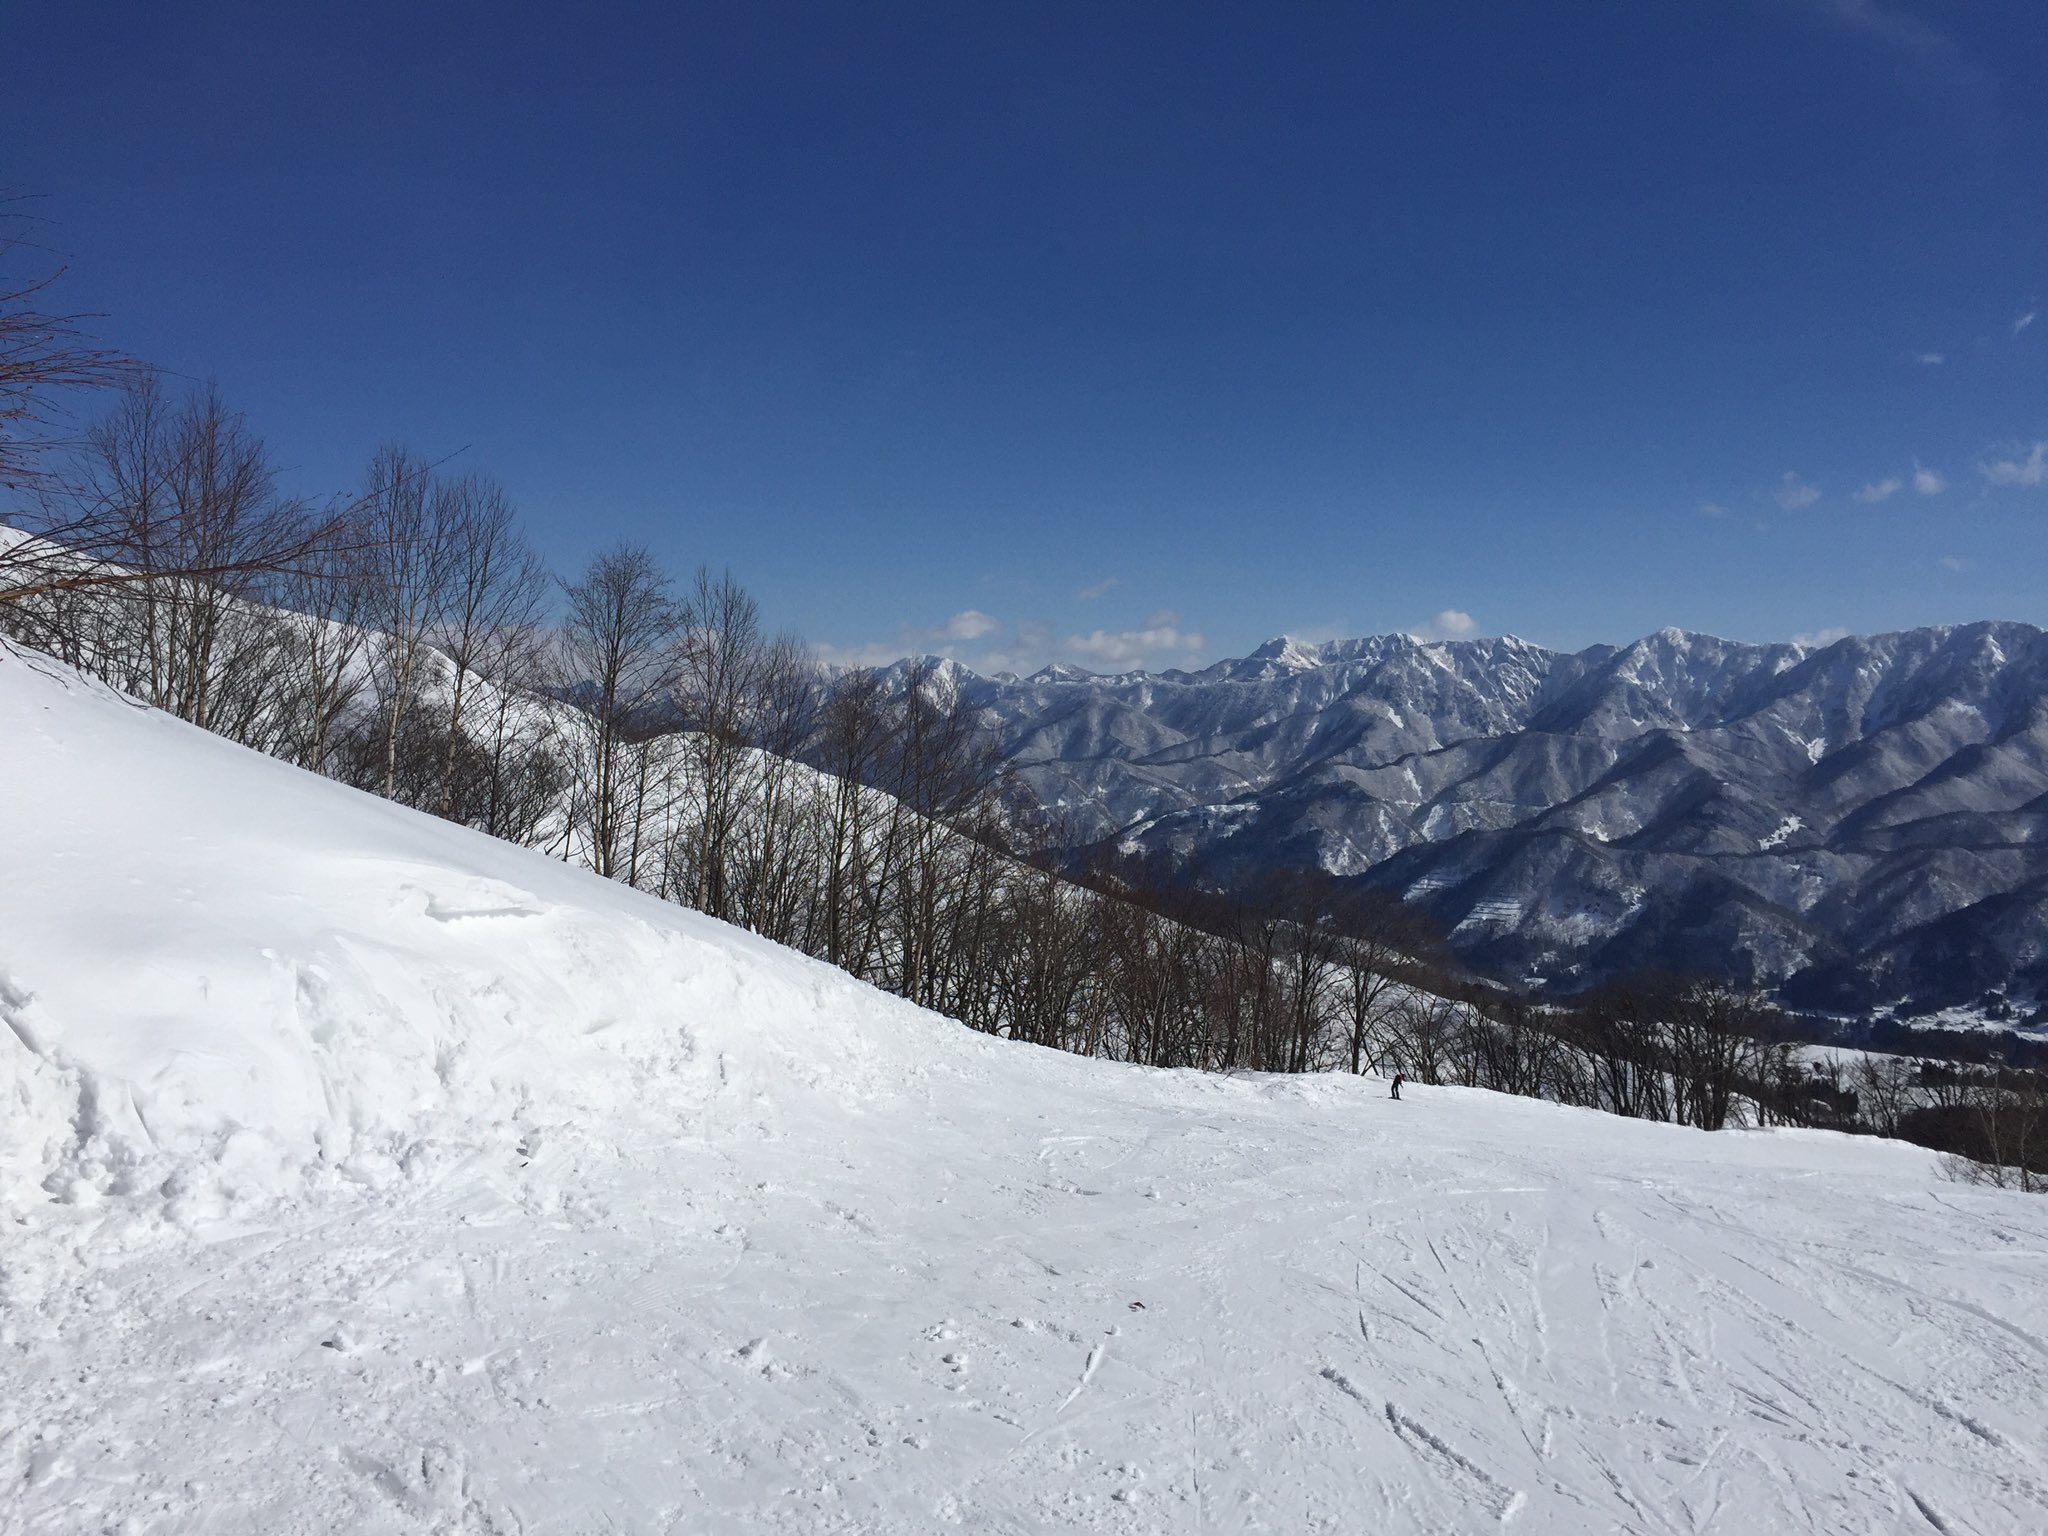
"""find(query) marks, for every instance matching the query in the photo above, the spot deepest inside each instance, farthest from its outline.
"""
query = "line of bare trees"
(1990, 1118)
(1305, 973)
(387, 640)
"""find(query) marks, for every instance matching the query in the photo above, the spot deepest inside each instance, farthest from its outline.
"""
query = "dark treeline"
(406, 640)
(1991, 1118)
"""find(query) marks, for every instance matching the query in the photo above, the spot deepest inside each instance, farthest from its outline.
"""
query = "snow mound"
(362, 1174)
(223, 978)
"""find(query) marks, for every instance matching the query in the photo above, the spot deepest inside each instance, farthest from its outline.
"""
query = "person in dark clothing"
(1399, 1079)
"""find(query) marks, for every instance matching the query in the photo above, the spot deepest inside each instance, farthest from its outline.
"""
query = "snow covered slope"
(361, 1174)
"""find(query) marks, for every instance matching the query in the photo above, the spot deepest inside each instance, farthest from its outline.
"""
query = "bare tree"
(1153, 986)
(1519, 1050)
(723, 678)
(172, 487)
(1716, 1035)
(856, 731)
(1885, 1090)
(1424, 1030)
(493, 596)
(197, 507)
(776, 869)
(323, 605)
(411, 522)
(1310, 957)
(1621, 1031)
(1372, 944)
(217, 504)
(1047, 959)
(620, 650)
(526, 773)
(1242, 1002)
(936, 856)
(44, 355)
(2011, 1113)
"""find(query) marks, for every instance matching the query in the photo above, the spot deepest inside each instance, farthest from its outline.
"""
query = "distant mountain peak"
(1286, 651)
(1576, 813)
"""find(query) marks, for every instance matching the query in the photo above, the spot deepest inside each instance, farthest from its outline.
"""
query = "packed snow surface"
(360, 1174)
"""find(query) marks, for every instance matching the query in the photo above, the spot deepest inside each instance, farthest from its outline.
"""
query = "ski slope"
(358, 1173)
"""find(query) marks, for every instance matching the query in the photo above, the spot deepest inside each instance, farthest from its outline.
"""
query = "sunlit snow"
(362, 1174)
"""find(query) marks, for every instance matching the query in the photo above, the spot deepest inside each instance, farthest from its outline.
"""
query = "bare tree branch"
(44, 354)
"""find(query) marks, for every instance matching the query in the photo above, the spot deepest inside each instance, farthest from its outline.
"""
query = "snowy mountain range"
(1859, 821)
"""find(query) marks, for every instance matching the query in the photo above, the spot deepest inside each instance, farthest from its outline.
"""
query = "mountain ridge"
(1816, 817)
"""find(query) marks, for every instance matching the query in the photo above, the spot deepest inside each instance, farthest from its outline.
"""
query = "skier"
(1399, 1079)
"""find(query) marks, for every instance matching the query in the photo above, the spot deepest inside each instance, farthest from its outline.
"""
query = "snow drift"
(359, 1173)
(223, 978)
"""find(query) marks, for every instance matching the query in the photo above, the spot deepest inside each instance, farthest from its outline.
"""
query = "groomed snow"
(360, 1174)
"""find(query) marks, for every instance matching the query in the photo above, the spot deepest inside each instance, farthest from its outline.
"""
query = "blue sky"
(1117, 334)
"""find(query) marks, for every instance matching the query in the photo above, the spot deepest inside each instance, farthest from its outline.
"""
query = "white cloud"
(1451, 624)
(1927, 482)
(2025, 320)
(1930, 359)
(2032, 470)
(1939, 57)
(1712, 509)
(955, 638)
(971, 624)
(1161, 642)
(1101, 588)
(1821, 637)
(872, 653)
(1953, 563)
(989, 645)
(1794, 493)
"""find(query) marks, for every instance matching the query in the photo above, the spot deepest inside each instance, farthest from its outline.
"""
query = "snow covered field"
(360, 1174)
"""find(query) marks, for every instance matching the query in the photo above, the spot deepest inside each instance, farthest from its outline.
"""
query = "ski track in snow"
(665, 1346)
(359, 1175)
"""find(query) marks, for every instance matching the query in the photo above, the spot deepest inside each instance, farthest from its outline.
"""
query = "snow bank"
(223, 977)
